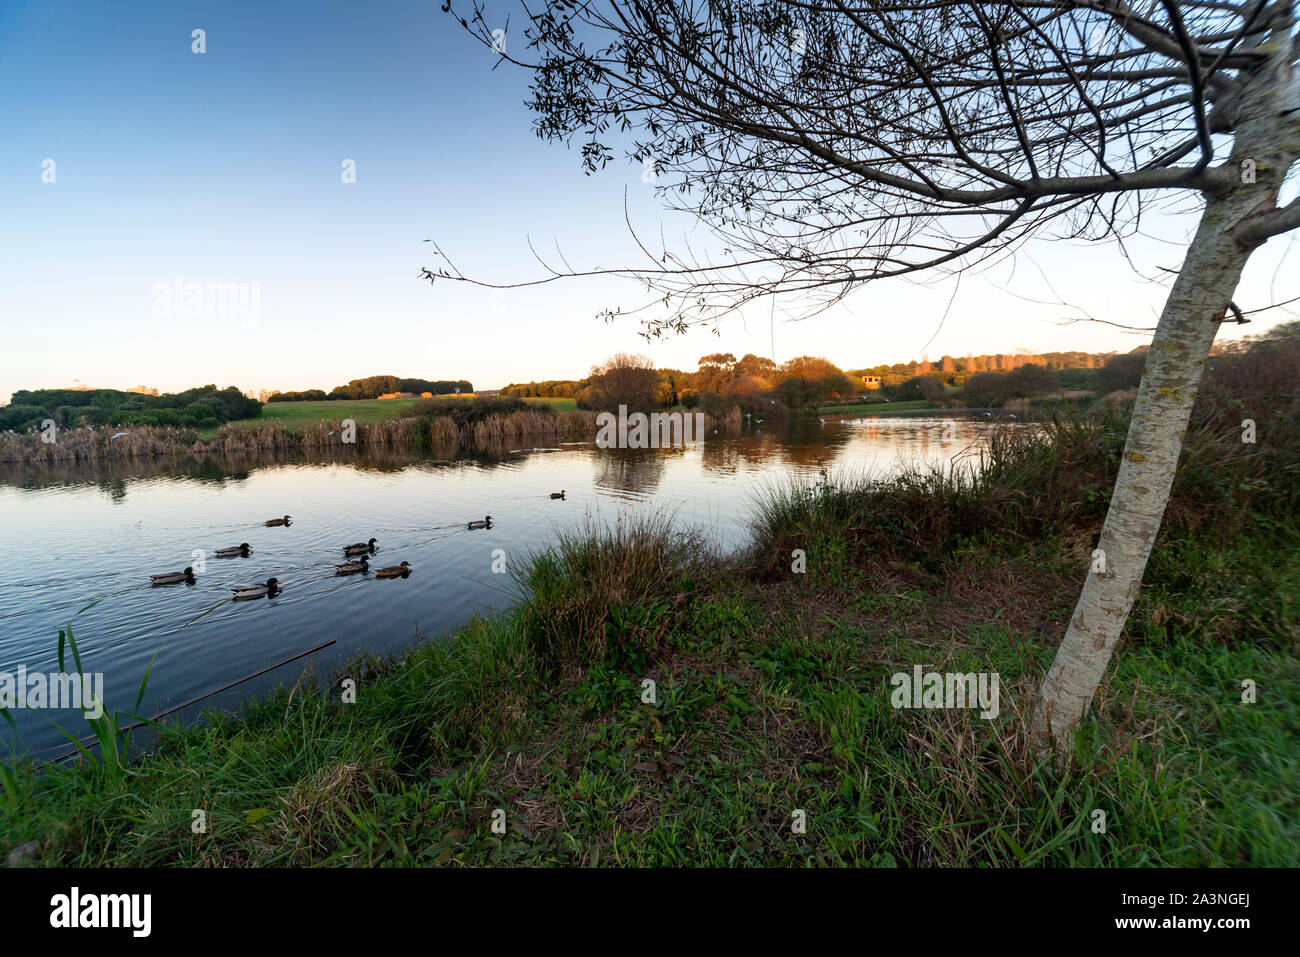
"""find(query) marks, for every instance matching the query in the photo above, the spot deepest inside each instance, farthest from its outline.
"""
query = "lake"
(77, 534)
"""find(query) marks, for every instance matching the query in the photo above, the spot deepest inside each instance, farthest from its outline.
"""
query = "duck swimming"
(360, 548)
(239, 551)
(278, 521)
(486, 523)
(173, 578)
(269, 590)
(394, 571)
(559, 494)
(351, 568)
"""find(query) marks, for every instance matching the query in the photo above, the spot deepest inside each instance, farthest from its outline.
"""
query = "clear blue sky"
(225, 168)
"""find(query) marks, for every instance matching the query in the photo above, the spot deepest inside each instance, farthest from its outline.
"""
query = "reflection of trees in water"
(631, 470)
(114, 476)
(115, 489)
(796, 443)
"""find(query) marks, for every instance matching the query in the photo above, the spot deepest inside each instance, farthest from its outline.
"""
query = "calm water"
(76, 535)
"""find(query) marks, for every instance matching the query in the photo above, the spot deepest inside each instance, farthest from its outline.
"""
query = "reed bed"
(89, 444)
(430, 430)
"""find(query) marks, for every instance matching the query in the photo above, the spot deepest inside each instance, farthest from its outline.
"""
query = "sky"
(225, 171)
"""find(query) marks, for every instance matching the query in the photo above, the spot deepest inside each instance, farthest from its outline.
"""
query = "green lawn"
(559, 405)
(365, 411)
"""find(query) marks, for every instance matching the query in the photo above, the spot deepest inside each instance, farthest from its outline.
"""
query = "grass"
(367, 411)
(648, 702)
(559, 405)
(364, 411)
(872, 408)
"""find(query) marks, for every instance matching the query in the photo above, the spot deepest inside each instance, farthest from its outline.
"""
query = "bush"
(921, 387)
(465, 411)
(985, 389)
(20, 418)
(1121, 372)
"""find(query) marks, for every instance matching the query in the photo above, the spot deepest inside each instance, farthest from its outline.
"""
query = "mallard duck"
(173, 578)
(486, 523)
(278, 521)
(394, 571)
(239, 551)
(360, 548)
(559, 494)
(245, 592)
(351, 568)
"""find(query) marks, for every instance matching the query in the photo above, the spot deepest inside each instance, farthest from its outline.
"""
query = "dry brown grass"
(314, 809)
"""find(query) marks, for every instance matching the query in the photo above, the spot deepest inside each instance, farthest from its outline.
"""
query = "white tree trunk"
(1170, 379)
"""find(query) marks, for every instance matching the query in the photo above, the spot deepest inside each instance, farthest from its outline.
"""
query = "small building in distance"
(143, 390)
(487, 392)
(399, 395)
(871, 382)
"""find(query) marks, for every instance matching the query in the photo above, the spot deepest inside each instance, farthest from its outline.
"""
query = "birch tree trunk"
(1170, 379)
(1268, 135)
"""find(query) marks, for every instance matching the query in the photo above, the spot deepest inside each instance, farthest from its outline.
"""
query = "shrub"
(921, 387)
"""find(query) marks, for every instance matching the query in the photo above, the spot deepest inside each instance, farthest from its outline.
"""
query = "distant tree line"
(549, 389)
(955, 370)
(719, 383)
(372, 387)
(1117, 373)
(202, 407)
(751, 382)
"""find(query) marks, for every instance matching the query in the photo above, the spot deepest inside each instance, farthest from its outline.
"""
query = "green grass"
(559, 405)
(364, 411)
(873, 408)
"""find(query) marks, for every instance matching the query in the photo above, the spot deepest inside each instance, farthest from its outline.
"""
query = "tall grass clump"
(1225, 483)
(605, 589)
(1021, 483)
